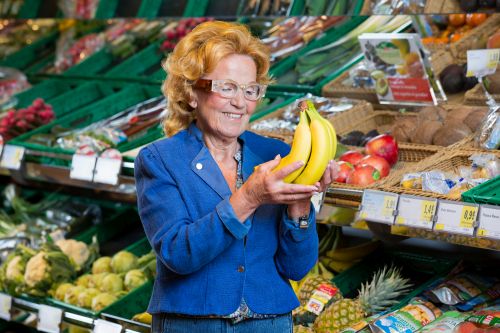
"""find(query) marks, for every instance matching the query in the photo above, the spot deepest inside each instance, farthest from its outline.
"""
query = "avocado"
(470, 82)
(382, 86)
(453, 79)
(469, 6)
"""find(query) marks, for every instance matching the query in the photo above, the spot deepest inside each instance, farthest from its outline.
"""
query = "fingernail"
(277, 156)
(300, 163)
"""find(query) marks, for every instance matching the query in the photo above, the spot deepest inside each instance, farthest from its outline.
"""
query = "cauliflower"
(102, 265)
(61, 291)
(84, 280)
(47, 268)
(112, 283)
(103, 300)
(75, 250)
(13, 268)
(134, 279)
(84, 299)
(123, 262)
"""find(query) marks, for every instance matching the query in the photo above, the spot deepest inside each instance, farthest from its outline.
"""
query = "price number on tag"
(49, 319)
(378, 206)
(488, 218)
(428, 209)
(389, 205)
(103, 326)
(5, 306)
(468, 217)
(82, 167)
(482, 62)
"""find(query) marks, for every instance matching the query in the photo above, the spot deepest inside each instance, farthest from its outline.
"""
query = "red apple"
(351, 156)
(384, 146)
(363, 175)
(378, 163)
(345, 168)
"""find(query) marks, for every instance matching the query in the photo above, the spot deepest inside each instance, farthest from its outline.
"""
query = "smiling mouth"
(232, 115)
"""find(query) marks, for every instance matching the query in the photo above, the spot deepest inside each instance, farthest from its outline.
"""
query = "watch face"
(304, 222)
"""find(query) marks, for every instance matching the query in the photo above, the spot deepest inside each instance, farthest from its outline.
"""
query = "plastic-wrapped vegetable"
(134, 279)
(103, 300)
(102, 265)
(488, 136)
(123, 261)
(111, 283)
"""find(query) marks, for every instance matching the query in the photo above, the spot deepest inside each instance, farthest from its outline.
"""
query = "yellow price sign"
(427, 210)
(468, 217)
(389, 205)
(439, 226)
(400, 220)
(482, 232)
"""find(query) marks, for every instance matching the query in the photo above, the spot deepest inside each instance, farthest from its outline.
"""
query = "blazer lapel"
(206, 168)
(250, 159)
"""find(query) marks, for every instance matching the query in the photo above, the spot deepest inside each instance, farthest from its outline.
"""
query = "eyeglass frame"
(208, 86)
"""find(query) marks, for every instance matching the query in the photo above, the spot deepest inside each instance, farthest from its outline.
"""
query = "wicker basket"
(476, 96)
(442, 7)
(448, 161)
(340, 120)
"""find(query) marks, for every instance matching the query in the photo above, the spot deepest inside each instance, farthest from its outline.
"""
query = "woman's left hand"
(328, 177)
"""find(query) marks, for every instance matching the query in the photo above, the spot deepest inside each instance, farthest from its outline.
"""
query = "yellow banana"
(338, 266)
(331, 130)
(320, 142)
(348, 254)
(301, 148)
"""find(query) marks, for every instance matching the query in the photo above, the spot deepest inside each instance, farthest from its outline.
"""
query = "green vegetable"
(13, 269)
(72, 294)
(134, 279)
(96, 280)
(84, 280)
(85, 297)
(102, 265)
(123, 262)
(103, 300)
(62, 290)
(111, 283)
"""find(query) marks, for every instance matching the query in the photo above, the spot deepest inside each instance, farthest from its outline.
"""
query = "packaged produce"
(393, 7)
(69, 53)
(12, 82)
(408, 319)
(488, 136)
(375, 296)
(444, 324)
(78, 9)
(483, 321)
(176, 30)
(10, 8)
(17, 34)
(490, 294)
(292, 33)
(17, 122)
(266, 7)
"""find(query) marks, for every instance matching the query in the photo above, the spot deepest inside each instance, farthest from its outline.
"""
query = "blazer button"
(199, 166)
(241, 269)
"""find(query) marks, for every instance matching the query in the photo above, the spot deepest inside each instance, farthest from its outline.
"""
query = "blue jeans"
(165, 323)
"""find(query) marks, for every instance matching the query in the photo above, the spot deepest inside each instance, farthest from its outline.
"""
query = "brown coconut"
(451, 132)
(425, 131)
(475, 118)
(403, 128)
(459, 113)
(431, 113)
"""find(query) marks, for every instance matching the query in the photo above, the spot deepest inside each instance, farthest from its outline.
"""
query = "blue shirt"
(203, 266)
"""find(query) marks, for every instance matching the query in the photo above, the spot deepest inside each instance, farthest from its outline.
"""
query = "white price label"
(12, 157)
(317, 201)
(456, 217)
(416, 211)
(489, 222)
(378, 206)
(103, 326)
(5, 306)
(82, 167)
(482, 62)
(49, 319)
(107, 170)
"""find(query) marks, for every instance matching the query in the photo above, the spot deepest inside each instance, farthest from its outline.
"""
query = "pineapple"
(309, 285)
(302, 329)
(376, 296)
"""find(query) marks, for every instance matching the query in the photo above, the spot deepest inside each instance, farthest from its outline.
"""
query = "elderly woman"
(227, 236)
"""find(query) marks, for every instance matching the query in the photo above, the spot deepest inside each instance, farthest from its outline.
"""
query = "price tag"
(317, 201)
(108, 167)
(379, 206)
(49, 319)
(416, 211)
(103, 326)
(12, 157)
(489, 222)
(82, 167)
(482, 62)
(5, 306)
(456, 217)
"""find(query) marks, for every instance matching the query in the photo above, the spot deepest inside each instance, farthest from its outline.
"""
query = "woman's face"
(226, 118)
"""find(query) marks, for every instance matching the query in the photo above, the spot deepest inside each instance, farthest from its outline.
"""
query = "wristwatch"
(302, 221)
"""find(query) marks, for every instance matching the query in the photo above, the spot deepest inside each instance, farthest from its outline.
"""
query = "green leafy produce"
(96, 280)
(84, 280)
(134, 279)
(62, 290)
(103, 300)
(123, 262)
(102, 265)
(112, 283)
(85, 297)
(79, 253)
(72, 294)
(47, 268)
(13, 269)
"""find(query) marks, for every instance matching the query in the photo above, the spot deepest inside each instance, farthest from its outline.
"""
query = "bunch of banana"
(340, 259)
(314, 143)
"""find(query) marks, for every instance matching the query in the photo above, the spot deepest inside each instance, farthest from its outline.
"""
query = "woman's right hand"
(266, 186)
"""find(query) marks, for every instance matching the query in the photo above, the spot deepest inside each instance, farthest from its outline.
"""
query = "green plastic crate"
(97, 63)
(145, 64)
(485, 193)
(287, 64)
(155, 8)
(91, 113)
(139, 248)
(33, 54)
(422, 270)
(196, 8)
(298, 7)
(47, 90)
(106, 9)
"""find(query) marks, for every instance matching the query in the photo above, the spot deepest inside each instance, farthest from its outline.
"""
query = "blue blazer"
(207, 259)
